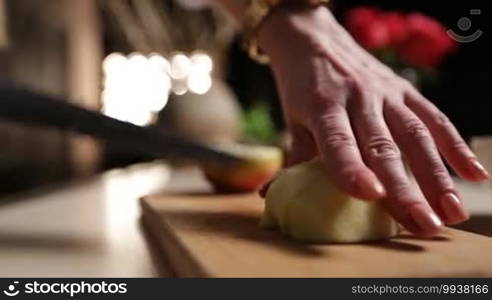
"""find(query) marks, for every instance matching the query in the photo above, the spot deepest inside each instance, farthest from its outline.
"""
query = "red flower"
(396, 24)
(426, 42)
(419, 40)
(367, 27)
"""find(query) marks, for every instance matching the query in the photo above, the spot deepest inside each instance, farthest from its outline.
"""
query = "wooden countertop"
(92, 228)
(86, 229)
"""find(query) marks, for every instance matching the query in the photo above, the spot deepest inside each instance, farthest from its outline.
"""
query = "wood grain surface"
(218, 236)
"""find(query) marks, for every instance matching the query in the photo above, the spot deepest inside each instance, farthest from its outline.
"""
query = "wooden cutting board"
(218, 236)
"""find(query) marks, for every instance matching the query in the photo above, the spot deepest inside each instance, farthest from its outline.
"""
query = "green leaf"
(258, 125)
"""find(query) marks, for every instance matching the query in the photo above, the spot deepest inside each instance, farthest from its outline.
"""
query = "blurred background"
(179, 65)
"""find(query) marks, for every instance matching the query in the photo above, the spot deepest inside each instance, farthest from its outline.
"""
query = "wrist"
(286, 30)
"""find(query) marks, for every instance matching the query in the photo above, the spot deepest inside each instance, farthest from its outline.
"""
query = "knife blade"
(25, 106)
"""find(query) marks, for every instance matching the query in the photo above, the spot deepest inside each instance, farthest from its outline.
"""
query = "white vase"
(212, 117)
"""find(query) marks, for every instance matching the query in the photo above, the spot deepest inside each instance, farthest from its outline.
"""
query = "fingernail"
(369, 185)
(379, 188)
(428, 222)
(376, 186)
(453, 209)
(479, 169)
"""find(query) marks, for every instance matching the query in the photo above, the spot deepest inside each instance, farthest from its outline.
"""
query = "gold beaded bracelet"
(256, 13)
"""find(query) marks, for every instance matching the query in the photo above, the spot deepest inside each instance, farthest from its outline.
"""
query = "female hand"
(342, 104)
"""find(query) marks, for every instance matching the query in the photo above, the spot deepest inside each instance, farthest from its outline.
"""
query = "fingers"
(338, 149)
(302, 148)
(416, 142)
(382, 155)
(448, 140)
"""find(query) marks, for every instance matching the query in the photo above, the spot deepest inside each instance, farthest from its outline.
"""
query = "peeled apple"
(303, 204)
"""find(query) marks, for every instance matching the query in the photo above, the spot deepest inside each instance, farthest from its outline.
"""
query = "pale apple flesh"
(303, 204)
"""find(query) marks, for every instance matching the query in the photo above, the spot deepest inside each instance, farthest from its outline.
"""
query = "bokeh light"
(180, 66)
(137, 87)
(199, 83)
(201, 62)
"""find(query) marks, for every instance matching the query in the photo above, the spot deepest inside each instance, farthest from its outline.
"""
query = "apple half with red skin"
(260, 165)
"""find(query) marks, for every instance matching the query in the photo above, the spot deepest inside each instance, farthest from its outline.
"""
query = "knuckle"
(459, 146)
(326, 122)
(382, 149)
(317, 92)
(331, 135)
(401, 196)
(416, 130)
(369, 114)
(358, 85)
(443, 182)
(442, 120)
(407, 85)
(337, 140)
(365, 98)
(353, 82)
(401, 190)
(323, 98)
(320, 88)
(361, 85)
(365, 88)
(366, 105)
(402, 193)
(440, 174)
